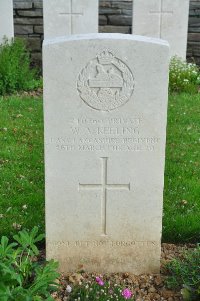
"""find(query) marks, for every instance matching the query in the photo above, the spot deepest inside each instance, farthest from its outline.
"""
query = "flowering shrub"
(98, 290)
(183, 76)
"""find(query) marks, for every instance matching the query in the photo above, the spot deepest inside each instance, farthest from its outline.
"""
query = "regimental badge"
(106, 83)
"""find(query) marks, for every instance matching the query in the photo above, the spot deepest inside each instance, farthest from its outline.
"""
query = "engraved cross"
(161, 13)
(104, 187)
(71, 14)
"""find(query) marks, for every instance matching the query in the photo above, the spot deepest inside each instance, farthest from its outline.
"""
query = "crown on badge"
(105, 57)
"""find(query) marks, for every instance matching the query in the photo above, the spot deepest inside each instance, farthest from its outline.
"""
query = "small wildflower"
(16, 226)
(68, 289)
(24, 207)
(99, 281)
(19, 115)
(184, 202)
(126, 293)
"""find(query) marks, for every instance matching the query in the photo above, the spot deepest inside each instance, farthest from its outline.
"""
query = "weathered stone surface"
(38, 29)
(105, 102)
(6, 20)
(194, 36)
(30, 13)
(28, 21)
(22, 4)
(64, 17)
(164, 19)
(25, 29)
(38, 4)
(36, 57)
(109, 10)
(102, 20)
(114, 29)
(34, 43)
(124, 20)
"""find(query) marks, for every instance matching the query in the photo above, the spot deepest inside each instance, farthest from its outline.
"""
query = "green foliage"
(183, 76)
(21, 164)
(182, 170)
(99, 291)
(15, 71)
(22, 278)
(186, 273)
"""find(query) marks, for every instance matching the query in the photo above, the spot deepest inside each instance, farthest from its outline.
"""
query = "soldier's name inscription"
(110, 134)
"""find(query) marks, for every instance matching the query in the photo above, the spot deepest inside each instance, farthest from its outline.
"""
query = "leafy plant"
(185, 274)
(98, 290)
(183, 76)
(22, 278)
(15, 71)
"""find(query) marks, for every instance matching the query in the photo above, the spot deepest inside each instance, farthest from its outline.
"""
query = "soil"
(145, 287)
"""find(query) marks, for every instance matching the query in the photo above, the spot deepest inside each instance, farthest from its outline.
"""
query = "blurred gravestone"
(66, 17)
(163, 19)
(6, 20)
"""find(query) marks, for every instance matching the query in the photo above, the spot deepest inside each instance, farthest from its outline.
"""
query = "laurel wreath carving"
(109, 102)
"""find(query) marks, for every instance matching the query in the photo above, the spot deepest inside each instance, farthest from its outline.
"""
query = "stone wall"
(114, 16)
(194, 32)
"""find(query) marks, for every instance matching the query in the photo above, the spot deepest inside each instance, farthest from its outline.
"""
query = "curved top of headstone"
(106, 36)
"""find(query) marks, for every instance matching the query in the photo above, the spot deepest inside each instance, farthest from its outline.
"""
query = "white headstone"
(164, 19)
(6, 20)
(105, 126)
(66, 17)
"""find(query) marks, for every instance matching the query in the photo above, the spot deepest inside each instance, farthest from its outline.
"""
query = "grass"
(21, 164)
(22, 167)
(182, 175)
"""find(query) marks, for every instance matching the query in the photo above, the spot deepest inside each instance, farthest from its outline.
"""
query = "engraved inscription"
(104, 243)
(104, 186)
(71, 15)
(161, 12)
(109, 134)
(106, 83)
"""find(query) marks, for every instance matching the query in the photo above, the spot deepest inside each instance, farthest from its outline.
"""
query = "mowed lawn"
(22, 167)
(181, 221)
(21, 164)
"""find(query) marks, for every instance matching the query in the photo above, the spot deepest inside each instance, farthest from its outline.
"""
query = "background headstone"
(66, 17)
(105, 102)
(164, 19)
(6, 20)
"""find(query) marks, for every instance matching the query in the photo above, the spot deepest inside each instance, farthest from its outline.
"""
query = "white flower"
(16, 226)
(68, 289)
(24, 207)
